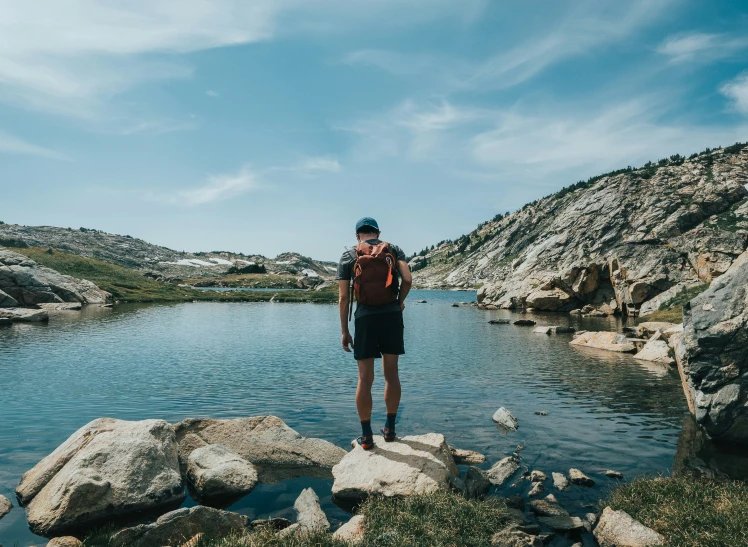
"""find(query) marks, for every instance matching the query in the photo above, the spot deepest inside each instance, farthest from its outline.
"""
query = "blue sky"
(273, 125)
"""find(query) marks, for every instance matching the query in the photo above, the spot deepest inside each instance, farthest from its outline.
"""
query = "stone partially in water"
(309, 513)
(657, 350)
(537, 476)
(503, 470)
(618, 529)
(544, 508)
(263, 440)
(563, 523)
(107, 468)
(609, 341)
(577, 477)
(542, 330)
(614, 474)
(417, 464)
(466, 457)
(177, 527)
(537, 489)
(505, 419)
(215, 471)
(524, 322)
(5, 506)
(23, 315)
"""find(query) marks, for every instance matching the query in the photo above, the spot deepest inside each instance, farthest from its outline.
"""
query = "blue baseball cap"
(367, 221)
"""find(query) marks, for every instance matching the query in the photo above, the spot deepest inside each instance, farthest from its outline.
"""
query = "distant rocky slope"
(153, 260)
(629, 241)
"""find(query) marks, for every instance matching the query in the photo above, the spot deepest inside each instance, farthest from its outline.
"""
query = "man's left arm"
(406, 282)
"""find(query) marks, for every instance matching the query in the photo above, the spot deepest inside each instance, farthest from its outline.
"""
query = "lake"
(226, 360)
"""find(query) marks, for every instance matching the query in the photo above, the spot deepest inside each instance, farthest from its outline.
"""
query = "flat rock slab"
(466, 457)
(178, 527)
(608, 341)
(5, 506)
(263, 440)
(503, 470)
(563, 523)
(309, 513)
(657, 350)
(542, 330)
(61, 306)
(417, 464)
(24, 315)
(215, 471)
(619, 529)
(105, 469)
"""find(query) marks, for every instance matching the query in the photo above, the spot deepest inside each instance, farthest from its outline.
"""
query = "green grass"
(434, 520)
(130, 286)
(689, 512)
(672, 310)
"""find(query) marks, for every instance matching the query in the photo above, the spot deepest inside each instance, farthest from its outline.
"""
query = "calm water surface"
(225, 360)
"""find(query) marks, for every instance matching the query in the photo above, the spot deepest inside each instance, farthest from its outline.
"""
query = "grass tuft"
(689, 512)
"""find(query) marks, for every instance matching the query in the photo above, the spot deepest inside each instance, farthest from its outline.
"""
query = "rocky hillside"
(629, 241)
(153, 260)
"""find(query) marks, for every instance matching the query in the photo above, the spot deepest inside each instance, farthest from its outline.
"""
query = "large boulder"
(261, 440)
(30, 283)
(550, 300)
(618, 529)
(417, 464)
(23, 315)
(713, 355)
(107, 468)
(309, 513)
(215, 471)
(609, 341)
(177, 527)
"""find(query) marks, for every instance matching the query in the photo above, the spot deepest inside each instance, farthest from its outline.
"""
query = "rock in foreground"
(309, 513)
(618, 529)
(417, 464)
(503, 470)
(107, 468)
(713, 357)
(177, 527)
(264, 440)
(609, 341)
(215, 471)
(353, 530)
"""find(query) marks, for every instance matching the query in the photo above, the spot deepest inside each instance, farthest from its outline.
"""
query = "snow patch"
(309, 273)
(194, 262)
(222, 261)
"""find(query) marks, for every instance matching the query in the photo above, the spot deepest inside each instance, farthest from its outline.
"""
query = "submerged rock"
(107, 468)
(618, 529)
(563, 523)
(544, 508)
(614, 474)
(505, 419)
(524, 322)
(417, 464)
(609, 341)
(309, 513)
(179, 526)
(537, 489)
(499, 322)
(215, 471)
(542, 330)
(560, 481)
(263, 440)
(503, 470)
(713, 355)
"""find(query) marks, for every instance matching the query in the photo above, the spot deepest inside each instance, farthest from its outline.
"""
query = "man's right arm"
(344, 299)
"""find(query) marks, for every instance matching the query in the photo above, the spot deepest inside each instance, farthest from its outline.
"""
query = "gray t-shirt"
(345, 273)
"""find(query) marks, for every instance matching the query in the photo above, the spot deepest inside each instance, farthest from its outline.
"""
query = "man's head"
(367, 228)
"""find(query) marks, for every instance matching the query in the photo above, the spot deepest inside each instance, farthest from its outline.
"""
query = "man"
(374, 266)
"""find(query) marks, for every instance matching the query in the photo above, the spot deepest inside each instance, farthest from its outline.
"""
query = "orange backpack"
(374, 274)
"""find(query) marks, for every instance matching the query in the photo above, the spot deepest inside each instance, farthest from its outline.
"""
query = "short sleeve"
(399, 253)
(345, 271)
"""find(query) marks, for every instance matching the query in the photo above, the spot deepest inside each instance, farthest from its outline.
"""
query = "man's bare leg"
(391, 390)
(363, 396)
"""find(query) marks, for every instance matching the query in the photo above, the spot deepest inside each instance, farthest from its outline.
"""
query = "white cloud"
(320, 164)
(737, 91)
(219, 188)
(700, 47)
(11, 144)
(212, 93)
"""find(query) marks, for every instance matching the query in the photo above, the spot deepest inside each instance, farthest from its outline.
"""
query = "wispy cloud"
(212, 93)
(701, 47)
(321, 164)
(737, 91)
(219, 188)
(11, 144)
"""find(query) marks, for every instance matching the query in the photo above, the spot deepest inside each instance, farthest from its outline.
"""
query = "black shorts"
(378, 333)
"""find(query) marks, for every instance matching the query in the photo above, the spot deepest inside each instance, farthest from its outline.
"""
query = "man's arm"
(406, 282)
(344, 299)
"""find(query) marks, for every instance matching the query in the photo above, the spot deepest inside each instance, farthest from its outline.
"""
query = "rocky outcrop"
(261, 440)
(713, 355)
(215, 471)
(177, 527)
(105, 469)
(616, 242)
(618, 529)
(609, 341)
(28, 284)
(417, 464)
